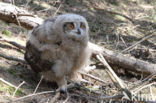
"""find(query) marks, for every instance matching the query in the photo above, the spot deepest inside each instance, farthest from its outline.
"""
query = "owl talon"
(63, 89)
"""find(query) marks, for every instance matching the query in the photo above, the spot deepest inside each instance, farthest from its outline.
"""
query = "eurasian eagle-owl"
(59, 48)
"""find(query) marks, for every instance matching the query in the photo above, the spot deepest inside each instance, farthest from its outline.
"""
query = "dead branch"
(124, 62)
(38, 84)
(143, 39)
(12, 14)
(12, 58)
(8, 12)
(4, 81)
(114, 77)
(57, 95)
(142, 87)
(69, 86)
(32, 95)
(18, 88)
(41, 93)
(112, 74)
(93, 77)
(13, 43)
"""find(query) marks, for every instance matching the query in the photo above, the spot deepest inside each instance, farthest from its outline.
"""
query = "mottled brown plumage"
(59, 48)
(33, 57)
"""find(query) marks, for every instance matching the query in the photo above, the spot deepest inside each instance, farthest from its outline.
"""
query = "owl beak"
(78, 31)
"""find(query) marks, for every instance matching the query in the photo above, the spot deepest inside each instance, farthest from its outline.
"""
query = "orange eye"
(70, 26)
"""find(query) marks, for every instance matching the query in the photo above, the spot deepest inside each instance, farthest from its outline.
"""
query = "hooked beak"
(78, 31)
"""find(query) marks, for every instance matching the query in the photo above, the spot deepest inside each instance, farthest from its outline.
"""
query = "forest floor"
(114, 24)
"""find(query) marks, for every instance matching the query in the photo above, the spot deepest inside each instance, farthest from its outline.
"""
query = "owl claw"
(63, 89)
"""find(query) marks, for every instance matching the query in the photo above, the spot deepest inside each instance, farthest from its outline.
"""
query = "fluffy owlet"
(58, 48)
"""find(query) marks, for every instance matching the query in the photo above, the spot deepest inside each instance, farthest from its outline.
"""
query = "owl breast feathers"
(59, 48)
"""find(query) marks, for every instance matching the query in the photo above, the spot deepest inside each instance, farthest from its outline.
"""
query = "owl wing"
(45, 33)
(33, 54)
(33, 57)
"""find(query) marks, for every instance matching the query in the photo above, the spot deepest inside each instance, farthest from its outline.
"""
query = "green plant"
(7, 33)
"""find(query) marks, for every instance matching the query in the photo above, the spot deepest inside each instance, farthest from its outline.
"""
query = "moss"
(10, 89)
(7, 33)
(5, 88)
(19, 92)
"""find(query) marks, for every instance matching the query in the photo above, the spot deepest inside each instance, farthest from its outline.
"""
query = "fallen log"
(13, 14)
(124, 62)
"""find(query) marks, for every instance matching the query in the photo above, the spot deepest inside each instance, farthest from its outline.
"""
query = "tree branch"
(13, 14)
(12, 58)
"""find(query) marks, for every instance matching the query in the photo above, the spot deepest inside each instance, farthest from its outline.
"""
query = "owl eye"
(70, 26)
(82, 25)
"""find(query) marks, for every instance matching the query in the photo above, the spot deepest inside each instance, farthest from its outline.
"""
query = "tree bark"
(13, 14)
(124, 62)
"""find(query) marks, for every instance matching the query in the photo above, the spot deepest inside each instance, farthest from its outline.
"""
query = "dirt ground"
(114, 24)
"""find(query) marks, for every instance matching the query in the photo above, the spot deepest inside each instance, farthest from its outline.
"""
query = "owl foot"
(62, 89)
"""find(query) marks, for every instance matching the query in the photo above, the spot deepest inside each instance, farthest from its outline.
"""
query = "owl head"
(72, 26)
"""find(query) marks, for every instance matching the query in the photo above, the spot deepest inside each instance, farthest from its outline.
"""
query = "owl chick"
(58, 48)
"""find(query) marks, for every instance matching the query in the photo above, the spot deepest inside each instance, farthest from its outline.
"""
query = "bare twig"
(142, 87)
(93, 77)
(143, 39)
(144, 81)
(18, 88)
(4, 81)
(17, 20)
(151, 93)
(123, 40)
(57, 95)
(31, 95)
(41, 93)
(114, 77)
(38, 84)
(66, 99)
(28, 1)
(13, 43)
(58, 9)
(102, 59)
